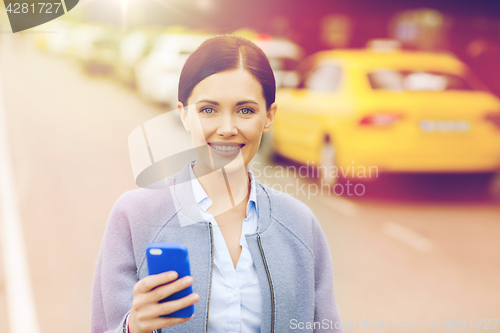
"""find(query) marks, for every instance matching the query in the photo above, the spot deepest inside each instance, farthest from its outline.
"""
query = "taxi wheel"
(327, 163)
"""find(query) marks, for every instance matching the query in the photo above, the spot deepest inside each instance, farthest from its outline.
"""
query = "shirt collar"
(202, 199)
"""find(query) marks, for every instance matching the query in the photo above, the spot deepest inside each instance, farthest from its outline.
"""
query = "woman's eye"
(208, 110)
(246, 111)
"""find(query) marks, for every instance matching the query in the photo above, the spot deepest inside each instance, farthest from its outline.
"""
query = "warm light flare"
(124, 5)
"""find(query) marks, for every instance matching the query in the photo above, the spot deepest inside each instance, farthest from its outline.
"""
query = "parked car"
(158, 73)
(361, 112)
(133, 48)
(96, 48)
(59, 40)
(283, 56)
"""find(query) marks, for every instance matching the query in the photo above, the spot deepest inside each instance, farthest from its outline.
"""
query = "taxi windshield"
(405, 80)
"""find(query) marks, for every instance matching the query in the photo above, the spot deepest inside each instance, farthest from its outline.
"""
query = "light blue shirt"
(235, 299)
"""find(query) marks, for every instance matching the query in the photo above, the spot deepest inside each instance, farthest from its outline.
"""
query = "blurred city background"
(402, 97)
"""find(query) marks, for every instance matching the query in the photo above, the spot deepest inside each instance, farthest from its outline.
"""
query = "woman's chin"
(230, 164)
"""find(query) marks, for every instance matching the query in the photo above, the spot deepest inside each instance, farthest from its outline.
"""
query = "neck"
(226, 189)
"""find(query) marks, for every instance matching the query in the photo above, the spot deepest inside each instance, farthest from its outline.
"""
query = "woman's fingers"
(154, 310)
(150, 282)
(146, 309)
(172, 306)
(171, 288)
(159, 323)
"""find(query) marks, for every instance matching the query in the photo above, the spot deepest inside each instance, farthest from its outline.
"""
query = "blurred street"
(412, 249)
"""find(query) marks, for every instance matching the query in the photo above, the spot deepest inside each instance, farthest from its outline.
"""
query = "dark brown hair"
(222, 53)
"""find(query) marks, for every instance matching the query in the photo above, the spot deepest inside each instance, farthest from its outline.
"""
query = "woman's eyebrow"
(246, 102)
(216, 103)
(207, 101)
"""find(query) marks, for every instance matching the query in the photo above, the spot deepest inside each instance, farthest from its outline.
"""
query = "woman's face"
(226, 116)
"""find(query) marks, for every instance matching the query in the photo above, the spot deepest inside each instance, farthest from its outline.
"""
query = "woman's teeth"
(226, 148)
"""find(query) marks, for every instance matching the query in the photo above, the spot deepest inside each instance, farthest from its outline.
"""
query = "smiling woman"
(259, 259)
(231, 109)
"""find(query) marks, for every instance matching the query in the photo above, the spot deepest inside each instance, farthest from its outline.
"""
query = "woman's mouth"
(226, 148)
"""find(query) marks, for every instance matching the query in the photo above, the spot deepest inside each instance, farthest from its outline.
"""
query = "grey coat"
(289, 250)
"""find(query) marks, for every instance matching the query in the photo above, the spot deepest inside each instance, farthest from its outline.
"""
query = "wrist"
(130, 327)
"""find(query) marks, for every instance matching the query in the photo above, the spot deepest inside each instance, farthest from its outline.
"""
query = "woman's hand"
(146, 311)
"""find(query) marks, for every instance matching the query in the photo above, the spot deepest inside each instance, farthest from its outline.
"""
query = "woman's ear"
(270, 117)
(183, 112)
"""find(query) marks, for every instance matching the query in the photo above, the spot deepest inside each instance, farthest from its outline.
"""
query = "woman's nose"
(227, 127)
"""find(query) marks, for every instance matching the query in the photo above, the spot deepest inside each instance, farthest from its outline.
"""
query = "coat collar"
(187, 207)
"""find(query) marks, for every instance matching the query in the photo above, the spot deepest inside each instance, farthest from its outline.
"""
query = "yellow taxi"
(361, 112)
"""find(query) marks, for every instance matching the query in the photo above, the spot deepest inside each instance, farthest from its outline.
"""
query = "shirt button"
(234, 292)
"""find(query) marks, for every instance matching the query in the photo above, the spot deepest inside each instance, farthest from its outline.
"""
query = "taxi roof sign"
(383, 45)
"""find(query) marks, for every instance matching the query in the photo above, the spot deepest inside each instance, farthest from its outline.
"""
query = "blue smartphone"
(163, 257)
